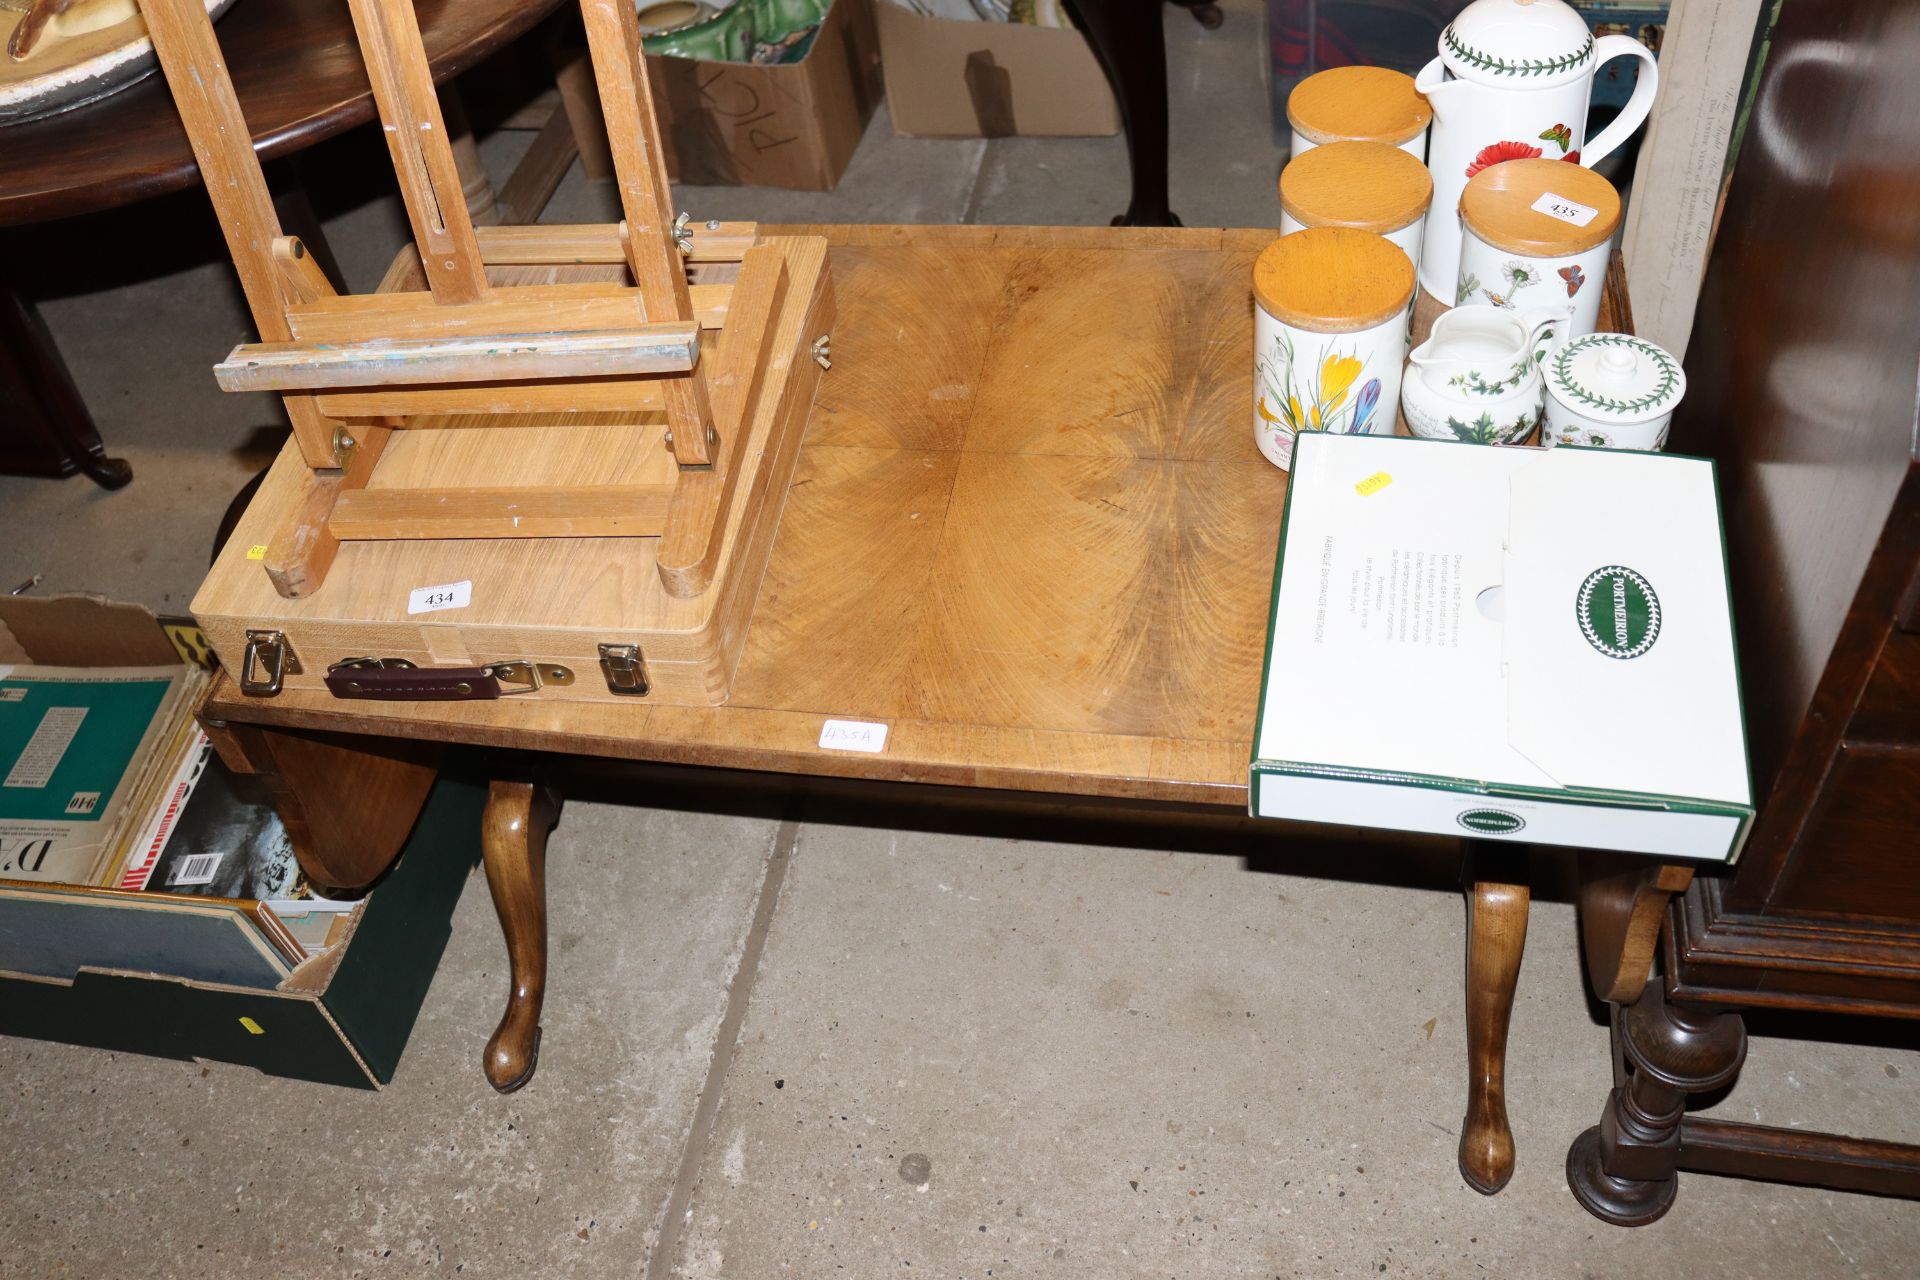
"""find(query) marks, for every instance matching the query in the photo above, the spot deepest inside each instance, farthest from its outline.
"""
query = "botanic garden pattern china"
(1358, 104)
(1512, 82)
(1474, 378)
(1368, 186)
(1537, 235)
(1612, 391)
(1329, 336)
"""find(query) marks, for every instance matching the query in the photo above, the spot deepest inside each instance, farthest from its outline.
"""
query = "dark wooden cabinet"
(1803, 373)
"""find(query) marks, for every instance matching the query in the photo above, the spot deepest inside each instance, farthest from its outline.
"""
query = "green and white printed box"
(1522, 644)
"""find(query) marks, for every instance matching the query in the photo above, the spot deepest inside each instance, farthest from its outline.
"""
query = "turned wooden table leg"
(1497, 901)
(45, 429)
(482, 203)
(513, 843)
(1622, 1170)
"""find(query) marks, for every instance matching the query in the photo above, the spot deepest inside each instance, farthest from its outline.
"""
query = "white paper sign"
(1564, 209)
(853, 735)
(448, 595)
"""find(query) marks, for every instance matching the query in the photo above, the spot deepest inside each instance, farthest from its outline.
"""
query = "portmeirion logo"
(1618, 612)
(1491, 822)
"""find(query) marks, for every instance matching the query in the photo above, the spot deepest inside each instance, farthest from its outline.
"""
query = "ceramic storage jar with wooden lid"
(1331, 308)
(1367, 186)
(1359, 104)
(1537, 233)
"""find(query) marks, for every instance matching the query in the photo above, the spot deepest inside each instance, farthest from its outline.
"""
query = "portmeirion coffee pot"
(1475, 379)
(1512, 82)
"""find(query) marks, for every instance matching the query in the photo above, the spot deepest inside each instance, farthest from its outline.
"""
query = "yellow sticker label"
(252, 1026)
(1373, 484)
(257, 552)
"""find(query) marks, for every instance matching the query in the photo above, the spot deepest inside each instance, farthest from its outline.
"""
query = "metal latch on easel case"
(625, 668)
(268, 661)
(398, 680)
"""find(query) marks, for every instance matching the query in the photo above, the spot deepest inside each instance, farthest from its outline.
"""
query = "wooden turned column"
(483, 205)
(1497, 904)
(513, 844)
(1623, 1169)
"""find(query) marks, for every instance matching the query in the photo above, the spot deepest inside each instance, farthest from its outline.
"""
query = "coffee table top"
(1029, 532)
(300, 78)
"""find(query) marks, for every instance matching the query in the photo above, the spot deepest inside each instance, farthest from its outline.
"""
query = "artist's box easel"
(507, 335)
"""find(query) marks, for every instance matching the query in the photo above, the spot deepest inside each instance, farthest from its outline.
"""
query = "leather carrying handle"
(414, 684)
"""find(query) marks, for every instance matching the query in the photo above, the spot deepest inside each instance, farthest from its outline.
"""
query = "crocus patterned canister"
(1359, 104)
(1537, 235)
(1368, 186)
(1611, 391)
(1329, 333)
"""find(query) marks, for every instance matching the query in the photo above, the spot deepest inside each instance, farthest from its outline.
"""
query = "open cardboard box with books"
(150, 901)
(1522, 644)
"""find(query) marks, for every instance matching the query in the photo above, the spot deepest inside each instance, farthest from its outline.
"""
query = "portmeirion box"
(1518, 644)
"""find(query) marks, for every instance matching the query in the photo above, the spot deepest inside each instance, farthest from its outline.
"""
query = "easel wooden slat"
(601, 511)
(190, 57)
(637, 395)
(301, 549)
(599, 242)
(690, 543)
(554, 308)
(600, 353)
(613, 40)
(416, 133)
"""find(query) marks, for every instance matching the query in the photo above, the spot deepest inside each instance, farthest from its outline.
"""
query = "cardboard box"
(178, 976)
(949, 79)
(737, 124)
(1516, 644)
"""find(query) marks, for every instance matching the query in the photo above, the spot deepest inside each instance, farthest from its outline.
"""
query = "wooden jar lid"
(1347, 104)
(1498, 207)
(1333, 280)
(1369, 186)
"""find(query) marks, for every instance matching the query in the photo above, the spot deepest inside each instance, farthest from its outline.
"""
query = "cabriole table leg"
(1497, 904)
(513, 843)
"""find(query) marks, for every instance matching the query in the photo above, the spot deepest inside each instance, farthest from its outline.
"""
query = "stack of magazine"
(107, 781)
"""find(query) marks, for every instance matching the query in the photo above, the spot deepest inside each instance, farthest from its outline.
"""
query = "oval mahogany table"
(297, 69)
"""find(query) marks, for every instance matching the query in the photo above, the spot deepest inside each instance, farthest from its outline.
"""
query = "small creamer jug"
(1475, 378)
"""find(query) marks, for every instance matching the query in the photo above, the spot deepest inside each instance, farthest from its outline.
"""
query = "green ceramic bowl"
(775, 20)
(727, 36)
(662, 16)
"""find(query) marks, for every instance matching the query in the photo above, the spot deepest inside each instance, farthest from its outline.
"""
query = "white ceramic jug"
(1475, 378)
(1512, 81)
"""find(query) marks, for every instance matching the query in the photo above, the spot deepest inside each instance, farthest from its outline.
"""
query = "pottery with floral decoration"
(1474, 379)
(1612, 391)
(1329, 333)
(1511, 82)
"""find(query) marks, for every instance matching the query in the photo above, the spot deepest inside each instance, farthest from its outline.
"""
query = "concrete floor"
(811, 1036)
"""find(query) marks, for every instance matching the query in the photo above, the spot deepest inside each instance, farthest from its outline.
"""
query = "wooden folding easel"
(354, 369)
